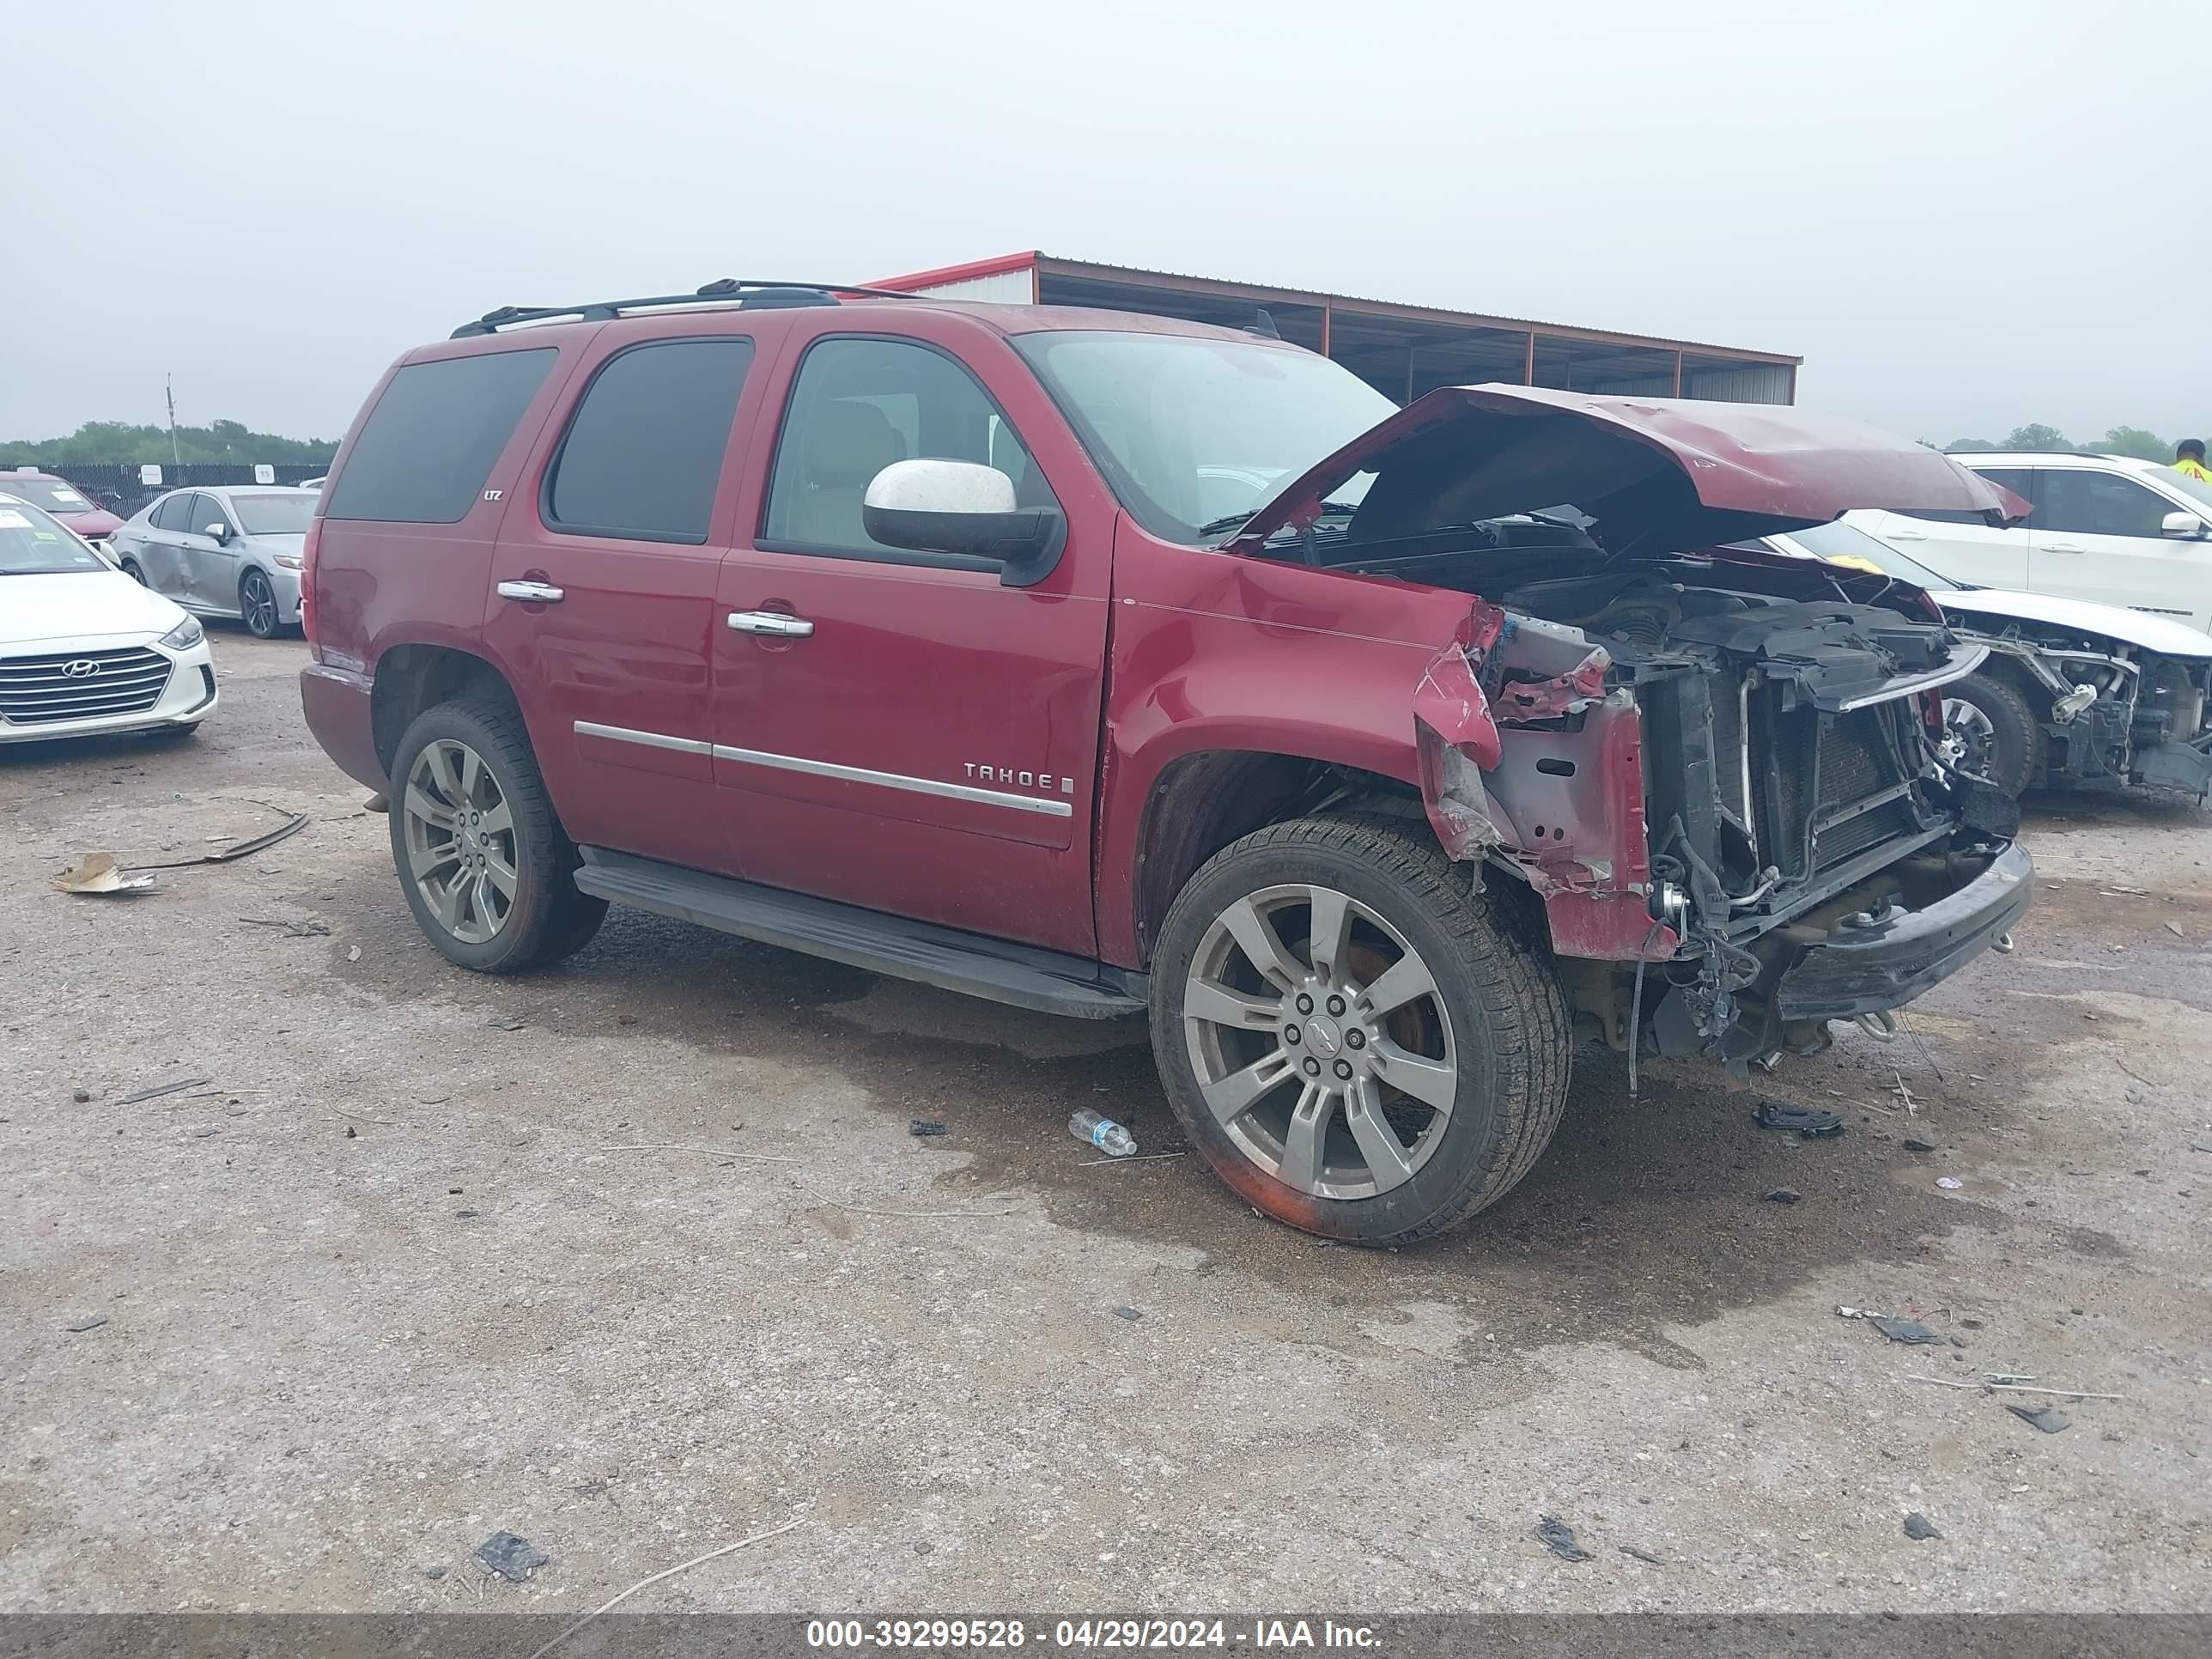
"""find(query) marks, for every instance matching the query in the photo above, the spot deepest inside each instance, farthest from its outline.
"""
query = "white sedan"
(83, 648)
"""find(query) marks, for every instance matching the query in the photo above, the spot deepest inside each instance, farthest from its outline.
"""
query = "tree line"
(2139, 443)
(110, 442)
(97, 443)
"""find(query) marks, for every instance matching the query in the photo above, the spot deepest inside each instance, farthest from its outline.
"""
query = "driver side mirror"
(219, 531)
(2186, 525)
(960, 507)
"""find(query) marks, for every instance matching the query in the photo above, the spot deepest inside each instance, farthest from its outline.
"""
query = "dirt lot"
(403, 1274)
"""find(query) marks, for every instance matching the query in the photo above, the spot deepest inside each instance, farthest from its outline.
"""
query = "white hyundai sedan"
(83, 648)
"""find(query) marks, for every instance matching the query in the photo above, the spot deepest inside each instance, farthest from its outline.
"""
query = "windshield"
(285, 514)
(33, 544)
(50, 493)
(1197, 435)
(1848, 544)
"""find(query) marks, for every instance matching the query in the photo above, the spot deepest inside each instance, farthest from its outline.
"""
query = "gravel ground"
(637, 1257)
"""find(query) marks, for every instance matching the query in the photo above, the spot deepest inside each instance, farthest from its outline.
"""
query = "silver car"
(228, 551)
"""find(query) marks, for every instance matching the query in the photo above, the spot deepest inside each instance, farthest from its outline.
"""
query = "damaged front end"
(2111, 710)
(1741, 792)
(1720, 772)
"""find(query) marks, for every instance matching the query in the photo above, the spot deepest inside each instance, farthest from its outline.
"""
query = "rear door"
(164, 558)
(1962, 545)
(927, 745)
(603, 602)
(2097, 536)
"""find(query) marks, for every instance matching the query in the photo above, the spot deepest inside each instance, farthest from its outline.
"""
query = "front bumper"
(286, 585)
(1882, 965)
(2178, 766)
(187, 697)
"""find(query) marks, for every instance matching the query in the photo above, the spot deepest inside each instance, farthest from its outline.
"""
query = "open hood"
(1676, 471)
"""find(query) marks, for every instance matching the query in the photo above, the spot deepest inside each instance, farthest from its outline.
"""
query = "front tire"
(1348, 1035)
(486, 867)
(257, 604)
(1994, 731)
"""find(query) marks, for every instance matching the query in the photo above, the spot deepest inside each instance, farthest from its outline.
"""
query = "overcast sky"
(1965, 216)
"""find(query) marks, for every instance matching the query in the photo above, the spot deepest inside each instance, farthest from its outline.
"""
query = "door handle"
(2062, 547)
(532, 592)
(1906, 535)
(771, 622)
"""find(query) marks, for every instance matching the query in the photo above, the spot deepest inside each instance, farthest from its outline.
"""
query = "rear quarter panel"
(379, 585)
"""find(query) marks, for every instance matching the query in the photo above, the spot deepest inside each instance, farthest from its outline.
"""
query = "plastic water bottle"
(1108, 1136)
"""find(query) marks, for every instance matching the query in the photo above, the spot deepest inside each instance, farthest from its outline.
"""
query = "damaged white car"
(2072, 692)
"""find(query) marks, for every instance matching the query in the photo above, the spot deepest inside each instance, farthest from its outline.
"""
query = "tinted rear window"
(431, 441)
(645, 451)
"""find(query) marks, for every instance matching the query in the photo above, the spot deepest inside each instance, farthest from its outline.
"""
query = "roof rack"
(727, 291)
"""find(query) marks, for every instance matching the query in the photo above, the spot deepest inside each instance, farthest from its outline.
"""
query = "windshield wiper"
(1222, 526)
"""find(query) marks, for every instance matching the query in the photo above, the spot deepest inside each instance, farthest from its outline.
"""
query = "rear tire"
(1282, 1072)
(129, 568)
(1999, 738)
(483, 862)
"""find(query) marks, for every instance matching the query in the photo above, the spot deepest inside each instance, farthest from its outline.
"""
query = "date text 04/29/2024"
(1090, 1634)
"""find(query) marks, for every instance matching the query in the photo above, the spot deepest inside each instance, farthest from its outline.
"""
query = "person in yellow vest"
(2189, 458)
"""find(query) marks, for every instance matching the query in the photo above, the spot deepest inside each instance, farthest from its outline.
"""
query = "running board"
(1021, 975)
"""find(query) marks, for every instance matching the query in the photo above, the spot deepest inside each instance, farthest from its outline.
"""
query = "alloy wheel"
(260, 604)
(461, 840)
(1970, 736)
(1320, 1041)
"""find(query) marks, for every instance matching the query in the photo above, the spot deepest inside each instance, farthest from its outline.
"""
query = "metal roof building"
(1402, 350)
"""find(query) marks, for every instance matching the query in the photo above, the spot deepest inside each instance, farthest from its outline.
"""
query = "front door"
(211, 564)
(901, 731)
(2098, 535)
(602, 601)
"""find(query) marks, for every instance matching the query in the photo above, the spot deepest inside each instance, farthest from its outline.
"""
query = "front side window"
(1195, 434)
(857, 406)
(2085, 503)
(644, 453)
(434, 435)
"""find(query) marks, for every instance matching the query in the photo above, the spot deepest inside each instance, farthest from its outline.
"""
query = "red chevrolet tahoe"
(1102, 664)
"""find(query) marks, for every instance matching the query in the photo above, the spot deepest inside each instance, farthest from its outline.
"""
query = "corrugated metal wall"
(1002, 287)
(1748, 383)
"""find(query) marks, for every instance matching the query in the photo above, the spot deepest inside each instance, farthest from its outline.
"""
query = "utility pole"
(175, 459)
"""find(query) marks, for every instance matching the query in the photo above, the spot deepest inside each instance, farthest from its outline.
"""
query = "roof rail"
(730, 290)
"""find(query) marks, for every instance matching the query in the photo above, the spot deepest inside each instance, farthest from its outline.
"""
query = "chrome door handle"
(771, 622)
(532, 592)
